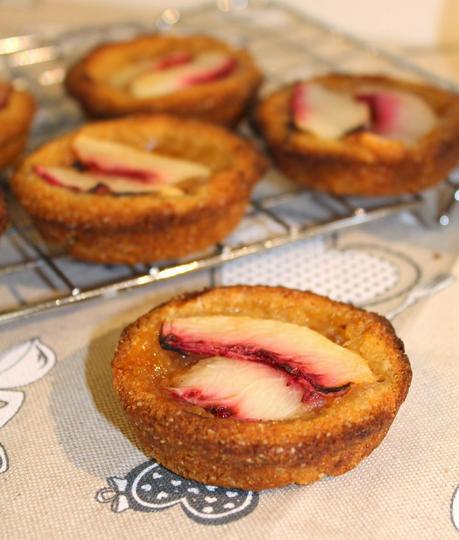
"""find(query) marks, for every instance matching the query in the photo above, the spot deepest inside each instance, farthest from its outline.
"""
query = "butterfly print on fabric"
(152, 488)
(20, 366)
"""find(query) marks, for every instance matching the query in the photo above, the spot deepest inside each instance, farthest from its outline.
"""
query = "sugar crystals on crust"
(195, 423)
(195, 76)
(138, 189)
(16, 113)
(361, 135)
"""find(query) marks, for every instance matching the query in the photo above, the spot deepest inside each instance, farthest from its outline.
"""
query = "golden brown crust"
(362, 163)
(3, 213)
(222, 101)
(15, 120)
(259, 455)
(144, 228)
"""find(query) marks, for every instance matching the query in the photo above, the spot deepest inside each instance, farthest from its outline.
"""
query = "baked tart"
(16, 114)
(258, 387)
(196, 76)
(362, 135)
(138, 189)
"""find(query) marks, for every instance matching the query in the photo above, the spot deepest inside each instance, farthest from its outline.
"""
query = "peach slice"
(241, 389)
(127, 74)
(124, 76)
(176, 58)
(118, 159)
(327, 114)
(84, 182)
(204, 68)
(398, 115)
(305, 354)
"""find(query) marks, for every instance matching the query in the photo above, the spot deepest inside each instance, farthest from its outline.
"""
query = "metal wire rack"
(287, 46)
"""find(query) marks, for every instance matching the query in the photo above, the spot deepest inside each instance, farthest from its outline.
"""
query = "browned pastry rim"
(222, 101)
(144, 228)
(257, 455)
(361, 163)
(15, 119)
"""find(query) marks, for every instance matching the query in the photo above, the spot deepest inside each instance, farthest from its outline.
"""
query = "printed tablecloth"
(69, 463)
(70, 466)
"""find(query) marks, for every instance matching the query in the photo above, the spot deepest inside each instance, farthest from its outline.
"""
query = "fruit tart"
(16, 113)
(362, 135)
(138, 189)
(196, 76)
(258, 387)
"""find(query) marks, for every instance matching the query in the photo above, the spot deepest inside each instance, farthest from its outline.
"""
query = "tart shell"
(148, 227)
(362, 164)
(15, 120)
(221, 101)
(258, 455)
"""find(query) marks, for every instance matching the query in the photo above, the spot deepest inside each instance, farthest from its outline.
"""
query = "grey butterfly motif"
(20, 366)
(152, 488)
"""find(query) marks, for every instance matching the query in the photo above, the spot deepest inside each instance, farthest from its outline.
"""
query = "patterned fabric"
(70, 466)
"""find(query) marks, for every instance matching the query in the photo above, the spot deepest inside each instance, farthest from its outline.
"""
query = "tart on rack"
(138, 189)
(195, 76)
(362, 135)
(258, 387)
(17, 109)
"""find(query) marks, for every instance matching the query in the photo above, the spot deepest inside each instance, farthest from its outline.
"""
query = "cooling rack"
(287, 46)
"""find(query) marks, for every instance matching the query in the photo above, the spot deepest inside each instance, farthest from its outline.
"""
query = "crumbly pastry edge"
(140, 228)
(348, 167)
(15, 121)
(257, 455)
(222, 102)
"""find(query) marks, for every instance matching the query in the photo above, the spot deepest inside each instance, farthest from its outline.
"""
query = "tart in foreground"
(138, 189)
(259, 387)
(196, 76)
(362, 135)
(16, 114)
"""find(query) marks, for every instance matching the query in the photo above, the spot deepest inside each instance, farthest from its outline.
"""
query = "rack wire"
(287, 46)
